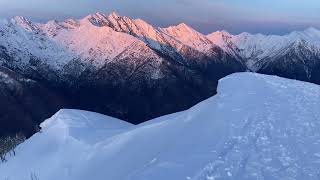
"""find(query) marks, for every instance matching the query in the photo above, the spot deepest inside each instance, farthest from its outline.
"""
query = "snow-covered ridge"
(99, 38)
(24, 42)
(255, 47)
(188, 36)
(267, 129)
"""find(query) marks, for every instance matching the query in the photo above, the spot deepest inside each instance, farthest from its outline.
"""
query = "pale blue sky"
(266, 16)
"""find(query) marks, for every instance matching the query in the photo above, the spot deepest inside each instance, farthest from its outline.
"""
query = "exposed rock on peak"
(25, 24)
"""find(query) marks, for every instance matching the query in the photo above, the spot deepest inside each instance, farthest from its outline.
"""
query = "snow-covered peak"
(20, 20)
(220, 33)
(180, 29)
(312, 30)
(120, 23)
(24, 23)
(114, 15)
(99, 15)
(51, 27)
(70, 23)
(97, 19)
(131, 26)
(255, 47)
(93, 39)
(188, 36)
(103, 37)
(311, 35)
(137, 28)
(220, 38)
(24, 41)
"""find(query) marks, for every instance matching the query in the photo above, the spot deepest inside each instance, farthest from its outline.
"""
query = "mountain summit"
(131, 70)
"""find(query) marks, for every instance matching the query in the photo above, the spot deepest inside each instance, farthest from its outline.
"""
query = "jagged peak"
(311, 35)
(100, 15)
(70, 23)
(96, 16)
(24, 23)
(245, 34)
(97, 19)
(299, 42)
(52, 22)
(128, 25)
(142, 23)
(220, 33)
(113, 15)
(312, 31)
(21, 20)
(183, 25)
(180, 27)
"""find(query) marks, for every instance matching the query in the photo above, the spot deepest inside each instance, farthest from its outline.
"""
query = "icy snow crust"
(267, 128)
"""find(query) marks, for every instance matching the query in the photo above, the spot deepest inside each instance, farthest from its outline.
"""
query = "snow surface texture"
(268, 128)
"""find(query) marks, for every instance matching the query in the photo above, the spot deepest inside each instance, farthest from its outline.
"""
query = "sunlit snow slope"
(266, 128)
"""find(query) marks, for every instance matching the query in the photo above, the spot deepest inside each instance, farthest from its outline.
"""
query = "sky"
(235, 16)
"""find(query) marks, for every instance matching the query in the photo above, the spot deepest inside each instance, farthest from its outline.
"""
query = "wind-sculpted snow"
(256, 127)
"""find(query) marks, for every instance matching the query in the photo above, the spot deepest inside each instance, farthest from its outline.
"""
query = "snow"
(189, 37)
(255, 47)
(268, 128)
(218, 37)
(98, 39)
(141, 30)
(91, 41)
(24, 42)
(55, 43)
(24, 23)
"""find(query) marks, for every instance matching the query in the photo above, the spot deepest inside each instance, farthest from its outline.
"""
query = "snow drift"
(266, 128)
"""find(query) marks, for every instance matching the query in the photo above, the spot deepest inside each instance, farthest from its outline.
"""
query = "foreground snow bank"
(256, 127)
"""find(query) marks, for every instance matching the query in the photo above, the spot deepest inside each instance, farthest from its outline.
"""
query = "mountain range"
(128, 69)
